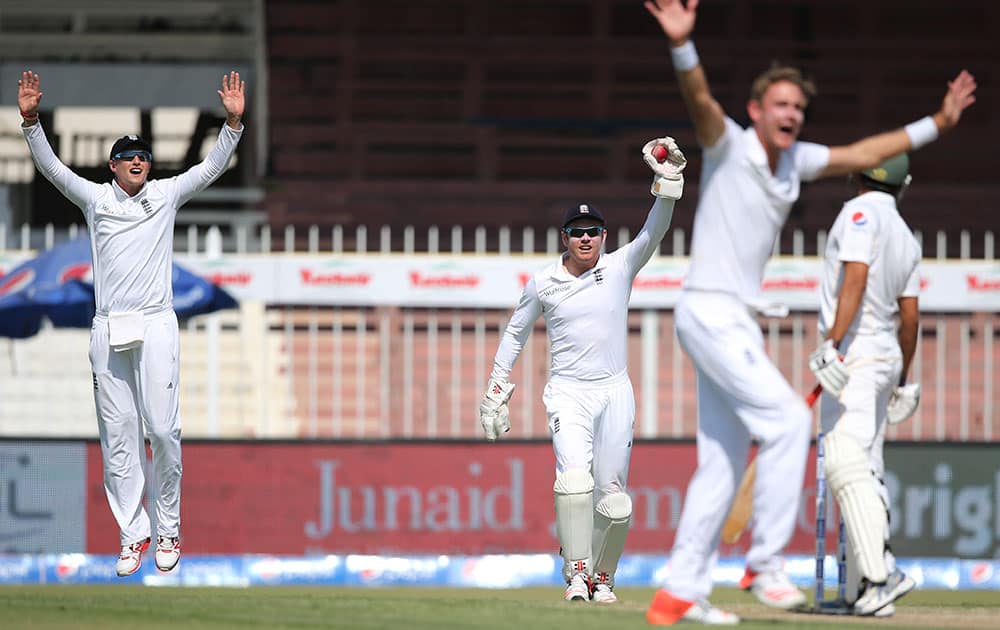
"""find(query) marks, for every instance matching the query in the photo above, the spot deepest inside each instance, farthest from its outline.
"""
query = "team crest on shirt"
(859, 219)
(146, 206)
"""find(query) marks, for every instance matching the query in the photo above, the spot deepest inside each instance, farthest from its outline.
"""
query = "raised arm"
(233, 97)
(677, 22)
(75, 188)
(870, 151)
(668, 185)
(200, 176)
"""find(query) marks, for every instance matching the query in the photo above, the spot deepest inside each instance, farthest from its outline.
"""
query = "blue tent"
(57, 284)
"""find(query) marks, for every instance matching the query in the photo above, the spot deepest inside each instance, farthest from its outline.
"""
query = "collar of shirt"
(882, 198)
(120, 193)
(778, 182)
(559, 272)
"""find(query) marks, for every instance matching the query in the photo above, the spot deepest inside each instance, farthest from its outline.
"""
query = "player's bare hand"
(232, 96)
(961, 93)
(676, 19)
(29, 93)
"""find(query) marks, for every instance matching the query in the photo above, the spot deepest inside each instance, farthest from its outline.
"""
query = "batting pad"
(574, 494)
(611, 521)
(853, 484)
(853, 582)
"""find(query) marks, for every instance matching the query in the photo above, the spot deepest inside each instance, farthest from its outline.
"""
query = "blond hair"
(776, 74)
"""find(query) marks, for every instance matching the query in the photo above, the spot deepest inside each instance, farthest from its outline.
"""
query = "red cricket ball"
(660, 153)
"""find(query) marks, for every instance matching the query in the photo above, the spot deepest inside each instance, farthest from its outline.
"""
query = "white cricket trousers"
(874, 363)
(591, 426)
(741, 394)
(141, 382)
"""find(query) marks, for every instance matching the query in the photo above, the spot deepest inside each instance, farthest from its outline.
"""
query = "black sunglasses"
(592, 231)
(144, 156)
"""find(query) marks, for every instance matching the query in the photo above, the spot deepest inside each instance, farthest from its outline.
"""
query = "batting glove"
(829, 368)
(903, 402)
(668, 181)
(493, 412)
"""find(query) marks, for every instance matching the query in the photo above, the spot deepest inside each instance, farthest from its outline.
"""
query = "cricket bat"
(739, 514)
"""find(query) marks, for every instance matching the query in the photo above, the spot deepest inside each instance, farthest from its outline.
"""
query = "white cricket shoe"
(168, 552)
(604, 594)
(887, 611)
(602, 588)
(666, 610)
(578, 589)
(878, 596)
(774, 589)
(130, 558)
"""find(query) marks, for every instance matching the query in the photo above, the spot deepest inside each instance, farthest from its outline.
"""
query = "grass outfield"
(111, 606)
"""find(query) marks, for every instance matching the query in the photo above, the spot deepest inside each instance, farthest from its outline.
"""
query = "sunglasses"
(144, 156)
(592, 231)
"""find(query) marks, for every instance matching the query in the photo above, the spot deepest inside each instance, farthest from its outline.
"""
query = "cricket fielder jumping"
(750, 178)
(134, 343)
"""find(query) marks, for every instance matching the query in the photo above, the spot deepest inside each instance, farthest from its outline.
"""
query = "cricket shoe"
(602, 588)
(604, 594)
(773, 588)
(666, 610)
(578, 589)
(878, 596)
(168, 552)
(130, 559)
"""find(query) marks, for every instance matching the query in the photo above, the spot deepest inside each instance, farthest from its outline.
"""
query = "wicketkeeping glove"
(903, 402)
(493, 411)
(828, 367)
(668, 181)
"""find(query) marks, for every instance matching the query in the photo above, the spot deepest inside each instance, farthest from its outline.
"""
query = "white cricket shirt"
(869, 230)
(131, 237)
(742, 207)
(587, 316)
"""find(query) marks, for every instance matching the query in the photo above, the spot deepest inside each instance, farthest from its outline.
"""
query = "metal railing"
(405, 372)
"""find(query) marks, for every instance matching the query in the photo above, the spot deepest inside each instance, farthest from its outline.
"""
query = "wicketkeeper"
(589, 400)
(870, 274)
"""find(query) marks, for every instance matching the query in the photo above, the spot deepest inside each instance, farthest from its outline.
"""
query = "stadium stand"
(501, 112)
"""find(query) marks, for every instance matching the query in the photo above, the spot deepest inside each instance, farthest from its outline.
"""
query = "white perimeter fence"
(324, 345)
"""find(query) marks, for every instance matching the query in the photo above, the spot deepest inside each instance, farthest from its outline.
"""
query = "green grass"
(112, 606)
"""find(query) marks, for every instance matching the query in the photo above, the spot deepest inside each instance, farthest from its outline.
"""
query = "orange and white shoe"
(604, 594)
(602, 588)
(578, 589)
(773, 588)
(168, 552)
(130, 559)
(666, 610)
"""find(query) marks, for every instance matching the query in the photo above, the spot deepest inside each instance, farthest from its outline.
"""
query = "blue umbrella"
(58, 284)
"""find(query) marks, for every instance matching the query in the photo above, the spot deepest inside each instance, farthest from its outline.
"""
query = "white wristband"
(685, 56)
(922, 132)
